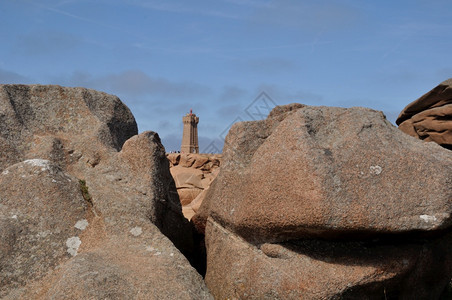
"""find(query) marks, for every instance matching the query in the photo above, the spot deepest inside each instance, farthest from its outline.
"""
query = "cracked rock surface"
(88, 207)
(328, 203)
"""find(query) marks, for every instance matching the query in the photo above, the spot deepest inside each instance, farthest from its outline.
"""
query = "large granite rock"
(330, 172)
(302, 184)
(40, 207)
(32, 114)
(429, 118)
(322, 269)
(106, 233)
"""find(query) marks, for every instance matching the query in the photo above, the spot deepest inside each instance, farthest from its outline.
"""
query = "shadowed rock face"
(309, 183)
(429, 118)
(57, 242)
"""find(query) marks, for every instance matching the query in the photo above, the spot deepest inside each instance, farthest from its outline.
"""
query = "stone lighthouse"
(190, 135)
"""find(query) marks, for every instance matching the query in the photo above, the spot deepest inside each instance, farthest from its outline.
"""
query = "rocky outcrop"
(88, 208)
(328, 203)
(38, 118)
(42, 213)
(193, 174)
(429, 118)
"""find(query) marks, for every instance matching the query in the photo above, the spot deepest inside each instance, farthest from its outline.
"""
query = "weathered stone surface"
(39, 208)
(205, 162)
(328, 203)
(330, 172)
(187, 160)
(201, 161)
(318, 269)
(186, 196)
(187, 178)
(196, 203)
(429, 118)
(193, 174)
(174, 158)
(143, 266)
(78, 115)
(122, 235)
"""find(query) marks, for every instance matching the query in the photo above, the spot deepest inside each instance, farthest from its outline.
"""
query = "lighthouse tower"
(190, 135)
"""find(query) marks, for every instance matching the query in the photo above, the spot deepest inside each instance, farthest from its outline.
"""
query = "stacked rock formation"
(311, 203)
(193, 174)
(328, 203)
(88, 208)
(429, 118)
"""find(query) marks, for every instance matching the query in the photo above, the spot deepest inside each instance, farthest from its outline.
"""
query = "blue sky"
(163, 58)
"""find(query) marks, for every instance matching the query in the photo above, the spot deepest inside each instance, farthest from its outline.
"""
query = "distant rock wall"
(193, 174)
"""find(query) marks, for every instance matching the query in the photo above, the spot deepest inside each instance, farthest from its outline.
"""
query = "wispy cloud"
(225, 52)
(282, 95)
(405, 35)
(55, 8)
(277, 47)
(185, 49)
(185, 8)
(307, 15)
(44, 43)
(65, 2)
(421, 28)
(9, 77)
(136, 83)
(267, 65)
(250, 3)
(232, 94)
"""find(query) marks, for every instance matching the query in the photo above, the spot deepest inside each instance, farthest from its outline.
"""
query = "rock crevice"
(57, 243)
